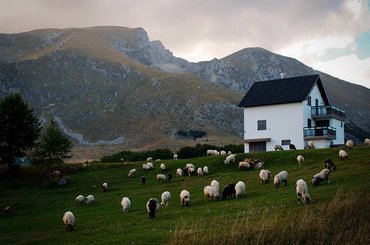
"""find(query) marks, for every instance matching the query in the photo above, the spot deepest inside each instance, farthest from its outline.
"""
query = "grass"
(339, 213)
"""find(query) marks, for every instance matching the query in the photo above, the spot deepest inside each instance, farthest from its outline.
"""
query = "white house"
(290, 111)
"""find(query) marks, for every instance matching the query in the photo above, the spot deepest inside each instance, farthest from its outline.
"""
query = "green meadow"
(339, 212)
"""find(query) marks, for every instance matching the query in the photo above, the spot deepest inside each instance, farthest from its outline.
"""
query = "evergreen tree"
(19, 128)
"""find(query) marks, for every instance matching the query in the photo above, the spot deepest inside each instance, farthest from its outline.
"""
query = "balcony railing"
(324, 132)
(327, 111)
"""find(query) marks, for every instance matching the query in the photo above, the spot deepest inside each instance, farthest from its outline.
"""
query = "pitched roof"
(282, 91)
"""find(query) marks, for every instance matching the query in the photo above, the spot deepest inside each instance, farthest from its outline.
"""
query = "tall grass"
(343, 220)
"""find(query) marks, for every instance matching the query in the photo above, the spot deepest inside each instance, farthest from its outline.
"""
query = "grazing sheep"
(258, 164)
(205, 170)
(349, 144)
(278, 148)
(185, 198)
(216, 152)
(7, 210)
(223, 153)
(244, 165)
(149, 159)
(146, 166)
(189, 165)
(292, 147)
(330, 165)
(228, 191)
(215, 185)
(310, 145)
(169, 177)
(342, 154)
(80, 199)
(165, 197)
(89, 199)
(175, 156)
(69, 220)
(300, 160)
(179, 172)
(150, 165)
(191, 171)
(200, 172)
(143, 180)
(211, 193)
(56, 174)
(367, 141)
(132, 173)
(265, 176)
(210, 152)
(322, 176)
(240, 189)
(229, 153)
(230, 158)
(152, 206)
(105, 187)
(161, 177)
(125, 203)
(302, 192)
(163, 167)
(281, 177)
(158, 160)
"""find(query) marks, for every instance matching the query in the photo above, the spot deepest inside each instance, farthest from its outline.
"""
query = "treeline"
(185, 152)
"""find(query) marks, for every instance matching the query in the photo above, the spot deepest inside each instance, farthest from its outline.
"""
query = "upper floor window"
(309, 100)
(261, 125)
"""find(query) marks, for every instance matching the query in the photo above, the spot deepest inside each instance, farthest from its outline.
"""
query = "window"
(261, 125)
(309, 124)
(309, 100)
(285, 142)
(341, 124)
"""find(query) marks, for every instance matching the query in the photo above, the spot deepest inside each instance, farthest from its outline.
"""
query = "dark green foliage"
(138, 156)
(19, 128)
(201, 150)
(187, 152)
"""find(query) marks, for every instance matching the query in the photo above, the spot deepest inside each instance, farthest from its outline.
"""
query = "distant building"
(290, 111)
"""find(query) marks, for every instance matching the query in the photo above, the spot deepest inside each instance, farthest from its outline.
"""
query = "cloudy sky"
(332, 36)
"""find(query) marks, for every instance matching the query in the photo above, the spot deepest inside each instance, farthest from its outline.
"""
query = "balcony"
(324, 112)
(319, 133)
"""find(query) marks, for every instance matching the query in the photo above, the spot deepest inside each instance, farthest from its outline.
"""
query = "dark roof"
(282, 91)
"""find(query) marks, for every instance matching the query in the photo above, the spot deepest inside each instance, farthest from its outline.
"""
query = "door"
(257, 146)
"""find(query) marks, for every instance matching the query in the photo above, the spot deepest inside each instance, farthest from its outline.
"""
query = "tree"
(19, 128)
(54, 145)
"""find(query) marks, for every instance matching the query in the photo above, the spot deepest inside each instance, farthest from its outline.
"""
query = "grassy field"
(339, 212)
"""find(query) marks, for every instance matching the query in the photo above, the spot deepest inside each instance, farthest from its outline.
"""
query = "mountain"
(112, 85)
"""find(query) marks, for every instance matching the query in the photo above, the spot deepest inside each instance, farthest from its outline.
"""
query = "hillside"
(266, 214)
(113, 86)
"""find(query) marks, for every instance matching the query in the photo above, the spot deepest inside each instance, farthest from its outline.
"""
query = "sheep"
(125, 203)
(69, 220)
(158, 160)
(367, 141)
(56, 174)
(80, 199)
(342, 154)
(216, 152)
(205, 170)
(228, 191)
(211, 193)
(163, 167)
(132, 173)
(89, 199)
(229, 153)
(258, 164)
(146, 166)
(185, 198)
(265, 176)
(215, 185)
(189, 165)
(7, 210)
(179, 172)
(105, 187)
(240, 189)
(243, 165)
(300, 160)
(161, 177)
(149, 159)
(143, 180)
(322, 176)
(200, 172)
(278, 148)
(175, 156)
(302, 191)
(150, 165)
(152, 206)
(165, 197)
(330, 165)
(281, 177)
(349, 144)
(191, 171)
(223, 153)
(310, 145)
(292, 147)
(169, 177)
(230, 158)
(209, 152)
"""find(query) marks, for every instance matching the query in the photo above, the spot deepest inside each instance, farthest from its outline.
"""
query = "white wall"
(335, 123)
(320, 143)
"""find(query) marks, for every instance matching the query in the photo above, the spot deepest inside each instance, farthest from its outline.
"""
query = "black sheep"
(228, 191)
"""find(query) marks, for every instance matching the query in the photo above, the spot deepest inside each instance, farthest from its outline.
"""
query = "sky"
(332, 36)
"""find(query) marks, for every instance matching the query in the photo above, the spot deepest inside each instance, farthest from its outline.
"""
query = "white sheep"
(209, 152)
(179, 172)
(302, 191)
(145, 166)
(7, 210)
(89, 199)
(223, 153)
(175, 156)
(322, 176)
(258, 165)
(265, 176)
(80, 199)
(189, 165)
(216, 152)
(161, 177)
(165, 197)
(152, 206)
(69, 220)
(243, 165)
(310, 145)
(132, 173)
(150, 165)
(278, 148)
(300, 160)
(211, 193)
(185, 198)
(205, 170)
(240, 189)
(281, 177)
(229, 153)
(215, 184)
(230, 158)
(342, 154)
(125, 203)
(200, 172)
(191, 171)
(149, 159)
(367, 141)
(105, 187)
(349, 144)
(163, 167)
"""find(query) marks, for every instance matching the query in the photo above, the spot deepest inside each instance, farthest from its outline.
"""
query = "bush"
(201, 150)
(138, 156)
